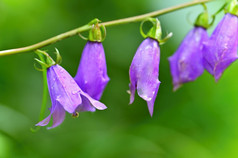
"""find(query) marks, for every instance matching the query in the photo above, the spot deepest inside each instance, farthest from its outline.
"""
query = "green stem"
(45, 94)
(109, 23)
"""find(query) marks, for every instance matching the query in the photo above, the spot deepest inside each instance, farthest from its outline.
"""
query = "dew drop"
(74, 92)
(58, 97)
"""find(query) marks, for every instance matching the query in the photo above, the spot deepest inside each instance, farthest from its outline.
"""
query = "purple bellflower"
(221, 49)
(66, 95)
(144, 69)
(187, 62)
(92, 75)
(144, 72)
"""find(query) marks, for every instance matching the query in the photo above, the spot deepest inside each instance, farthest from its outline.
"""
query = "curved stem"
(109, 23)
(45, 94)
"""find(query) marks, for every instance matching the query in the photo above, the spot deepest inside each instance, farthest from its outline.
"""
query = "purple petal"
(45, 121)
(150, 104)
(221, 50)
(58, 116)
(132, 87)
(58, 113)
(187, 62)
(92, 75)
(63, 88)
(144, 72)
(97, 104)
(85, 106)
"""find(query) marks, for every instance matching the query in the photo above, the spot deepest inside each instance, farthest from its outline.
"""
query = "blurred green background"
(198, 121)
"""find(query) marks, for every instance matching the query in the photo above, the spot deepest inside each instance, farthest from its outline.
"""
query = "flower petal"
(132, 90)
(186, 64)
(45, 121)
(150, 104)
(221, 49)
(144, 69)
(85, 106)
(58, 113)
(97, 104)
(92, 75)
(63, 88)
(58, 116)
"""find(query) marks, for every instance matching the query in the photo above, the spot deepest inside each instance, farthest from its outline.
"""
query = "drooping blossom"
(144, 72)
(92, 75)
(186, 64)
(66, 95)
(221, 49)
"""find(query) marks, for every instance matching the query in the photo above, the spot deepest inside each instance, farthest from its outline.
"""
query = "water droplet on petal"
(74, 92)
(58, 97)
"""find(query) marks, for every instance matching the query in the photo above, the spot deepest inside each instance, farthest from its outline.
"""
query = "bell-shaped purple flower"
(186, 64)
(92, 71)
(66, 95)
(144, 72)
(221, 49)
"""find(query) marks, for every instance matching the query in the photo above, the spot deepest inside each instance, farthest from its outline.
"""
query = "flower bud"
(187, 62)
(144, 72)
(92, 71)
(221, 49)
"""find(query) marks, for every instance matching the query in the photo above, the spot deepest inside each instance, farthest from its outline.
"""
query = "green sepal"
(58, 57)
(155, 31)
(203, 20)
(45, 60)
(164, 40)
(233, 8)
(98, 32)
(43, 64)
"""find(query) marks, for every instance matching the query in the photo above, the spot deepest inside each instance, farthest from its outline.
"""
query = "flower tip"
(217, 77)
(132, 98)
(131, 101)
(48, 128)
(176, 87)
(100, 106)
(53, 125)
(131, 92)
(151, 113)
(150, 108)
